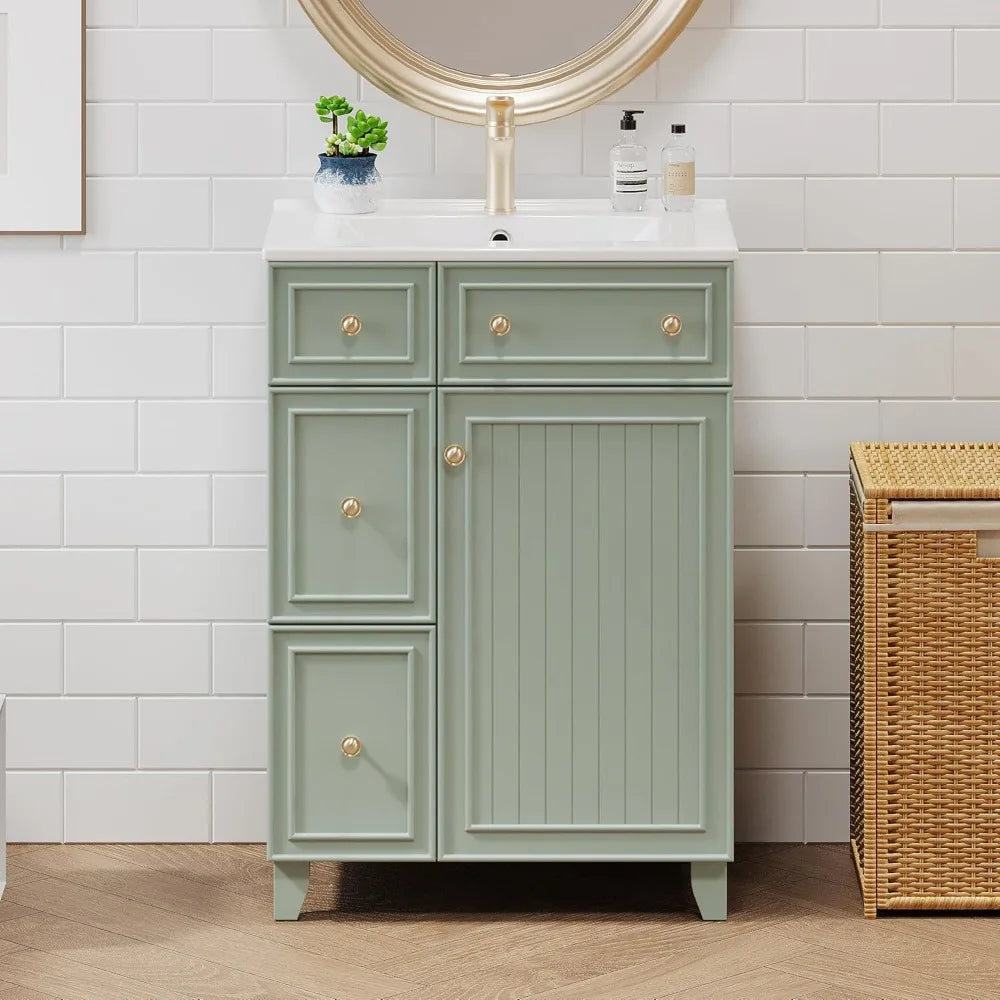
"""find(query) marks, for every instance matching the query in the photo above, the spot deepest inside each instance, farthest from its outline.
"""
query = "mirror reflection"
(511, 38)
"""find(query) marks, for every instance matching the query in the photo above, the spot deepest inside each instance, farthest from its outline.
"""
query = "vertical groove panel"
(481, 622)
(585, 621)
(532, 627)
(690, 611)
(611, 642)
(586, 572)
(665, 625)
(506, 622)
(638, 516)
(559, 585)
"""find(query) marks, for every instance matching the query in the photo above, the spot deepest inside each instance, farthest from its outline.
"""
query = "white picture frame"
(42, 123)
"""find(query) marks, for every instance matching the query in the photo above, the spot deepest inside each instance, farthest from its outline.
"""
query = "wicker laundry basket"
(925, 675)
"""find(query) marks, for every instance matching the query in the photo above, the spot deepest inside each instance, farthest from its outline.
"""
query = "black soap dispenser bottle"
(629, 168)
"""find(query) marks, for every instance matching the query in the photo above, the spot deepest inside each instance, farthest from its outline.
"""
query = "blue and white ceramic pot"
(347, 185)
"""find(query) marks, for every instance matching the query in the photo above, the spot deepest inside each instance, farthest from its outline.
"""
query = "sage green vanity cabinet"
(501, 590)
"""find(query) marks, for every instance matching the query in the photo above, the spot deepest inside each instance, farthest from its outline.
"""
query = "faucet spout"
(499, 155)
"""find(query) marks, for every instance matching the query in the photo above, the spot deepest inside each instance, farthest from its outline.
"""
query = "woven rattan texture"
(941, 607)
(865, 653)
(928, 471)
(857, 678)
(925, 687)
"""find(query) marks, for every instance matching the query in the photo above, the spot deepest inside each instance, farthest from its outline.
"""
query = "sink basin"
(418, 229)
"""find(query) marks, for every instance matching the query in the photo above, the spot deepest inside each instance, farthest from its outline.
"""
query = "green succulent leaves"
(341, 145)
(364, 134)
(369, 132)
(329, 109)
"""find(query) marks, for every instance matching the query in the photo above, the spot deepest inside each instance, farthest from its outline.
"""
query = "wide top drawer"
(589, 323)
(359, 323)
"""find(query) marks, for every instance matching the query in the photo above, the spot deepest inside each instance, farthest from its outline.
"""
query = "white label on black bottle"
(630, 177)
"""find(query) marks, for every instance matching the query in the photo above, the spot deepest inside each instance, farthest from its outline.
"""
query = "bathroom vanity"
(501, 590)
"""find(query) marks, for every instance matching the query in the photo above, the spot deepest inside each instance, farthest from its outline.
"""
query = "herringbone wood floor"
(142, 922)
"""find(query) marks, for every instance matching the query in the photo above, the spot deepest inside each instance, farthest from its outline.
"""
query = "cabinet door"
(352, 494)
(585, 608)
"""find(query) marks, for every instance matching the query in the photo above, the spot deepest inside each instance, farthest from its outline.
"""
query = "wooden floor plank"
(11, 911)
(837, 898)
(881, 979)
(837, 993)
(884, 941)
(19, 874)
(356, 943)
(760, 984)
(212, 864)
(684, 968)
(23, 993)
(513, 983)
(69, 980)
(828, 862)
(151, 965)
(590, 948)
(130, 922)
(211, 942)
(13, 850)
(979, 931)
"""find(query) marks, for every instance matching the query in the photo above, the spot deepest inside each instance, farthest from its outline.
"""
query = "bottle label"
(678, 180)
(631, 177)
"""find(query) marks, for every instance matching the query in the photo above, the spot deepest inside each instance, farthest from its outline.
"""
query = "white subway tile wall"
(858, 142)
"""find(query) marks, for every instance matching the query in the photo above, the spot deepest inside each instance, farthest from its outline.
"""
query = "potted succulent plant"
(347, 182)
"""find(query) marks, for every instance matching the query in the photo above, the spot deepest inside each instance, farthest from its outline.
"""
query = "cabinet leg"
(291, 883)
(708, 883)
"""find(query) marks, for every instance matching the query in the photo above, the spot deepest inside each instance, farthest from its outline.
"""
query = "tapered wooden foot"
(708, 883)
(291, 883)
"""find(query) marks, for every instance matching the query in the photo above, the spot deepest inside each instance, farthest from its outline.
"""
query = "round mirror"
(480, 37)
(447, 56)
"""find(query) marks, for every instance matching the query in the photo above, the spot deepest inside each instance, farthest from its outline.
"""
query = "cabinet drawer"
(352, 323)
(597, 323)
(352, 499)
(373, 797)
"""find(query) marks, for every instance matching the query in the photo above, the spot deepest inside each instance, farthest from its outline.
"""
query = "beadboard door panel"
(585, 608)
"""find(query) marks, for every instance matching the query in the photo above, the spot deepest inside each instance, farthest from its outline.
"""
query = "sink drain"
(499, 236)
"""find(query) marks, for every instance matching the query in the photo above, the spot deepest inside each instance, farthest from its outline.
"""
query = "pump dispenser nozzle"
(628, 119)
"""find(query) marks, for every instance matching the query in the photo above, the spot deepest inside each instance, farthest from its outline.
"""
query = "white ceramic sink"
(417, 229)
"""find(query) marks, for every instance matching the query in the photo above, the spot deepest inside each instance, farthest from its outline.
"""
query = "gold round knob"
(672, 325)
(350, 746)
(350, 507)
(500, 326)
(351, 325)
(454, 455)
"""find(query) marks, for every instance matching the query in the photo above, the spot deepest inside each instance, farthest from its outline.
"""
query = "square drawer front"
(590, 323)
(352, 323)
(352, 537)
(352, 749)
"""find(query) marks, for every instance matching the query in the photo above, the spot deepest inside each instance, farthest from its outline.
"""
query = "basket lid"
(928, 471)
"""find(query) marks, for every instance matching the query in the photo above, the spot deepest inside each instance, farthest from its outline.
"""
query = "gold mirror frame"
(399, 71)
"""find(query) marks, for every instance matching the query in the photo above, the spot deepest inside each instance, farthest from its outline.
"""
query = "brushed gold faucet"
(499, 155)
